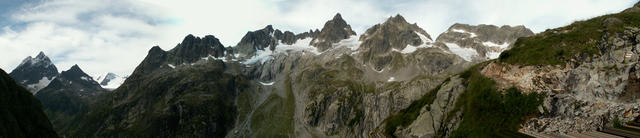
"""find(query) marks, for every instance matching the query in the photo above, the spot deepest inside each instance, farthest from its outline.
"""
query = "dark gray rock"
(333, 31)
(256, 40)
(194, 48)
(395, 33)
(32, 70)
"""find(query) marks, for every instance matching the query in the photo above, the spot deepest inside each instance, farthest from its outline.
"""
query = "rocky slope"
(588, 83)
(481, 42)
(21, 114)
(35, 73)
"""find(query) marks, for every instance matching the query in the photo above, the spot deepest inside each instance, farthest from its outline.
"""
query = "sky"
(115, 35)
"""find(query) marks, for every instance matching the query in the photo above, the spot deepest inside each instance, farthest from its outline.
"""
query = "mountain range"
(393, 80)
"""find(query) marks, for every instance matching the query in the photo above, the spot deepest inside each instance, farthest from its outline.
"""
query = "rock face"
(35, 73)
(254, 41)
(68, 97)
(21, 114)
(395, 34)
(583, 95)
(333, 31)
(582, 91)
(482, 42)
(193, 48)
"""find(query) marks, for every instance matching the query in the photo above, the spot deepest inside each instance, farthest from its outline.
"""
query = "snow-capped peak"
(110, 80)
(40, 59)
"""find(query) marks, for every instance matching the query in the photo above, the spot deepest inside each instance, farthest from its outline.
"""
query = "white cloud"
(115, 35)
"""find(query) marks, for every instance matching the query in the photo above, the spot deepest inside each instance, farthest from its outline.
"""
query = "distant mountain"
(35, 73)
(110, 80)
(21, 114)
(481, 42)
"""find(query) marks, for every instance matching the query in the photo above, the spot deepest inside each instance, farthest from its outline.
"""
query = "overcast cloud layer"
(115, 35)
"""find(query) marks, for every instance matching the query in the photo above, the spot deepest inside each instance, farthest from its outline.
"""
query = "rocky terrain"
(583, 74)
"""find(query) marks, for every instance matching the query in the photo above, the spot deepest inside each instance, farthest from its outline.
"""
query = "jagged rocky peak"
(194, 48)
(310, 34)
(75, 72)
(480, 42)
(333, 31)
(256, 40)
(286, 37)
(394, 33)
(35, 73)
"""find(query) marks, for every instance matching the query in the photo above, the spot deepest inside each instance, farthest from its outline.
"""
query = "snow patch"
(463, 31)
(85, 78)
(217, 58)
(43, 82)
(352, 43)
(267, 54)
(493, 55)
(391, 79)
(465, 53)
(266, 83)
(492, 44)
(300, 45)
(410, 49)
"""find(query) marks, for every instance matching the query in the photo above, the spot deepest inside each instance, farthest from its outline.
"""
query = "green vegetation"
(617, 123)
(408, 115)
(576, 41)
(487, 112)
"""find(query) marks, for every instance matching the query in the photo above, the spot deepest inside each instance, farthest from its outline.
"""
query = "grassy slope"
(576, 41)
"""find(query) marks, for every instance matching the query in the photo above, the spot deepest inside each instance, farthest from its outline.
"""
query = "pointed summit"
(75, 68)
(35, 73)
(256, 40)
(42, 56)
(337, 17)
(73, 72)
(395, 34)
(333, 31)
(397, 19)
